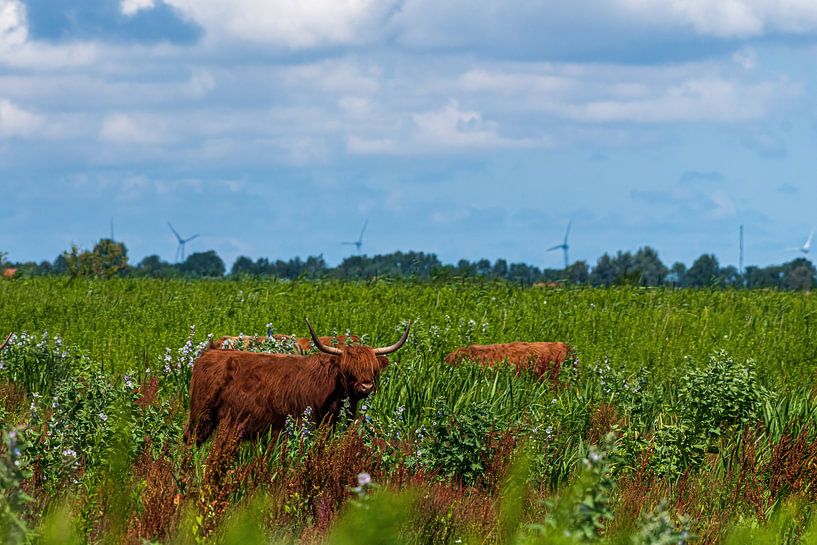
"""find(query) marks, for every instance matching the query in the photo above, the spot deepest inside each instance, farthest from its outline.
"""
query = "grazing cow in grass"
(2, 346)
(539, 358)
(303, 345)
(257, 391)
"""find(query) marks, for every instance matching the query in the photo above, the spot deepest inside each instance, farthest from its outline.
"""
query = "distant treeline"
(642, 268)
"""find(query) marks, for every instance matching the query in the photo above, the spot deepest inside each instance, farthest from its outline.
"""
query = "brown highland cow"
(257, 391)
(539, 358)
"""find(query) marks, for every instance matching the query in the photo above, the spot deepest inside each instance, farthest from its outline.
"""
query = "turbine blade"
(567, 232)
(191, 238)
(365, 223)
(559, 247)
(174, 232)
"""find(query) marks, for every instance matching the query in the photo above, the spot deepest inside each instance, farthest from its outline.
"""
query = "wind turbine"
(564, 246)
(805, 248)
(182, 242)
(359, 242)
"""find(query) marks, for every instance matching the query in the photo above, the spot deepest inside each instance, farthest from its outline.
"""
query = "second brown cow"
(540, 358)
(303, 345)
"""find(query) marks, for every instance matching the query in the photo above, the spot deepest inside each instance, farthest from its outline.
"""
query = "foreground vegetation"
(689, 417)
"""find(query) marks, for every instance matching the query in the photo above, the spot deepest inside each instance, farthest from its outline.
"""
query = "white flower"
(364, 479)
(103, 417)
(595, 456)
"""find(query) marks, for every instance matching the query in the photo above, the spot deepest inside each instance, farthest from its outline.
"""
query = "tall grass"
(708, 395)
(126, 323)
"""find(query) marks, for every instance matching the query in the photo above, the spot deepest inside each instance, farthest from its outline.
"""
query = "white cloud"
(17, 50)
(734, 18)
(132, 7)
(201, 83)
(17, 122)
(453, 127)
(120, 128)
(289, 23)
(13, 28)
(439, 131)
(697, 100)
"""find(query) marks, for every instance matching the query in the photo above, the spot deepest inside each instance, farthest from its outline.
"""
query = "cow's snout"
(365, 388)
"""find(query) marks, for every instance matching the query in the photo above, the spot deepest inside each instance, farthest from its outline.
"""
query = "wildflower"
(2, 366)
(69, 453)
(364, 479)
(595, 456)
(103, 417)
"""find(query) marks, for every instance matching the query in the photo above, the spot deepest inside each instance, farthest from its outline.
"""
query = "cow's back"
(539, 357)
(257, 390)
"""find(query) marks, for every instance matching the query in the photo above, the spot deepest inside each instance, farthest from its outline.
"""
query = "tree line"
(643, 268)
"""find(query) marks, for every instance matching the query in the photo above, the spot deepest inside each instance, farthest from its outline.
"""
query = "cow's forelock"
(360, 366)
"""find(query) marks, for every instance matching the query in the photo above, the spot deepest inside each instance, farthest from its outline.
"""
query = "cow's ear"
(383, 361)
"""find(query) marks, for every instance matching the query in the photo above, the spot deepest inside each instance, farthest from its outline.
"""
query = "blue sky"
(275, 127)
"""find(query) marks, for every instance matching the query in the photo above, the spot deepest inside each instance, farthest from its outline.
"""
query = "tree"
(106, 260)
(578, 272)
(60, 266)
(500, 269)
(703, 272)
(203, 265)
(649, 267)
(763, 277)
(799, 274)
(677, 274)
(604, 273)
(243, 265)
(731, 277)
(152, 266)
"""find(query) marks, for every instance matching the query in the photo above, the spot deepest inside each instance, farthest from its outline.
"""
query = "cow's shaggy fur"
(257, 391)
(540, 358)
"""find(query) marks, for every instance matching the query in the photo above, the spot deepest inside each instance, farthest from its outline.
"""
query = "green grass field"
(689, 418)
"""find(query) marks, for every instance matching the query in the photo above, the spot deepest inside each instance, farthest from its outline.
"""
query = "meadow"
(689, 417)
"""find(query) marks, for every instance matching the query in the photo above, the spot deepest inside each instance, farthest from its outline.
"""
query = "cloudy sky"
(470, 129)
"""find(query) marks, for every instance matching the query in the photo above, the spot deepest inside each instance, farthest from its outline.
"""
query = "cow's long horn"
(319, 345)
(2, 346)
(396, 346)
